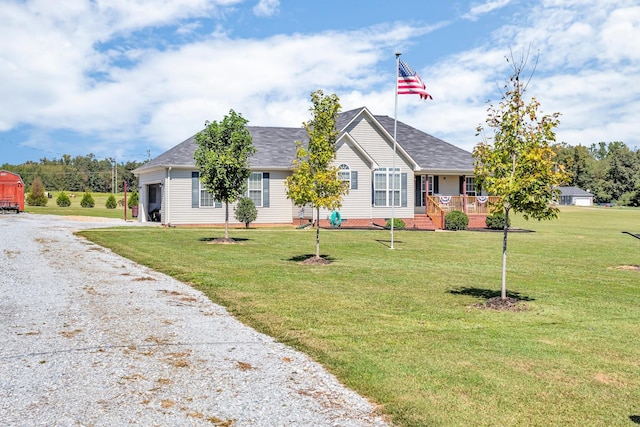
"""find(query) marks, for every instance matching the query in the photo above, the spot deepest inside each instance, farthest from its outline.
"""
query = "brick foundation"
(419, 222)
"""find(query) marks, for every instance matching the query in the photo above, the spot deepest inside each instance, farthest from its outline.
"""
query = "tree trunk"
(505, 228)
(226, 220)
(318, 232)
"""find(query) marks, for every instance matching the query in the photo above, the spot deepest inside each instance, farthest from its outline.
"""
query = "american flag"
(410, 83)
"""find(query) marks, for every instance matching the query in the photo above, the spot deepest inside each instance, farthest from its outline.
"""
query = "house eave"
(163, 167)
(431, 171)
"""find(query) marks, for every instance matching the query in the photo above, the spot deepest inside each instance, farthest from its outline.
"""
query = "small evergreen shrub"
(495, 221)
(111, 202)
(37, 196)
(456, 220)
(87, 200)
(246, 211)
(63, 200)
(398, 224)
(132, 200)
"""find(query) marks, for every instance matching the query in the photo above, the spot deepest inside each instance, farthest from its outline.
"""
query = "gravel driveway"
(89, 338)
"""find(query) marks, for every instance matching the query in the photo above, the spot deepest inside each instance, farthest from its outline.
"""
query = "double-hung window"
(254, 188)
(206, 197)
(386, 187)
(200, 197)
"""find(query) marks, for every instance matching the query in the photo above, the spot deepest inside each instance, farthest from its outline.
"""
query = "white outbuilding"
(575, 196)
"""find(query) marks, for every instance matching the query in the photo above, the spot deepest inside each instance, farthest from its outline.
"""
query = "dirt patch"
(499, 304)
(243, 366)
(628, 267)
(316, 261)
(222, 241)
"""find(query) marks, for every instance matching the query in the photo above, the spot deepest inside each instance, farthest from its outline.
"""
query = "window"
(206, 198)
(254, 188)
(344, 174)
(386, 187)
(470, 187)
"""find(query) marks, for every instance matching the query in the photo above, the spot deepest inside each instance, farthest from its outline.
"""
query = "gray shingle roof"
(428, 151)
(275, 148)
(574, 191)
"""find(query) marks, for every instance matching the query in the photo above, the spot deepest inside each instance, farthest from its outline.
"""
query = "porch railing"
(438, 206)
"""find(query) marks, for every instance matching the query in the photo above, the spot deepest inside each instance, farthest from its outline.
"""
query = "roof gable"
(429, 152)
(275, 146)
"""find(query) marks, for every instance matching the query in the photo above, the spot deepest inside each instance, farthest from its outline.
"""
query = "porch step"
(423, 222)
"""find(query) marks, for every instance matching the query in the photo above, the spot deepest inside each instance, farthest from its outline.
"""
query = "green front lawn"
(399, 325)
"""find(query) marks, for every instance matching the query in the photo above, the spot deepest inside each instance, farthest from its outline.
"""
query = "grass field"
(399, 326)
(99, 210)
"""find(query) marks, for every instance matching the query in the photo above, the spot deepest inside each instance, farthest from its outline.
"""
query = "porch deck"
(476, 207)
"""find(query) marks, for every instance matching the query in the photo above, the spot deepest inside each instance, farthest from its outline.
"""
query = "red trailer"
(11, 192)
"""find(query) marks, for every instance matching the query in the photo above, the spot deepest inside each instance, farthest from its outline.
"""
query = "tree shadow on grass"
(211, 239)
(305, 257)
(635, 418)
(488, 293)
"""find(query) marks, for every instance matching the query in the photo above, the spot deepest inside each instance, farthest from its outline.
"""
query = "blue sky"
(124, 78)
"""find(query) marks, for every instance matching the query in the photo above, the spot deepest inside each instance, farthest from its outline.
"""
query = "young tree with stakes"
(519, 165)
(315, 181)
(223, 154)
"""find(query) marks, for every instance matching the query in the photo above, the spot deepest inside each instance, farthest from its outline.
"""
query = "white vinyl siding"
(357, 203)
(379, 148)
(182, 212)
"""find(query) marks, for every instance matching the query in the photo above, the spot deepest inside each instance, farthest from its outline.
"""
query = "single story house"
(575, 196)
(426, 167)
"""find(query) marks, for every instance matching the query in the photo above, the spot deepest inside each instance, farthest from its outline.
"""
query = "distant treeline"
(610, 171)
(80, 173)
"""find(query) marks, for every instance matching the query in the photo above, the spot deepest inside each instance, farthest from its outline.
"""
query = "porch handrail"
(438, 206)
(435, 212)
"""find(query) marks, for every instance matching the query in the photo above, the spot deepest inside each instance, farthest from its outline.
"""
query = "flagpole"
(395, 131)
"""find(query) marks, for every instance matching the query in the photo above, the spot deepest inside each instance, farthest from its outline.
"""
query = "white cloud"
(482, 9)
(267, 8)
(588, 68)
(588, 71)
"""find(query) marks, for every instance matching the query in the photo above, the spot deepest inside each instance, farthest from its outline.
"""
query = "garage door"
(582, 201)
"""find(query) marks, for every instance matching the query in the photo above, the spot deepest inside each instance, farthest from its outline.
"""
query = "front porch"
(476, 207)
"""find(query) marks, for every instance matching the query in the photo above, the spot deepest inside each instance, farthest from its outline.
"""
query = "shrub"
(63, 200)
(456, 220)
(87, 200)
(398, 223)
(111, 202)
(133, 199)
(246, 211)
(630, 198)
(495, 221)
(36, 196)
